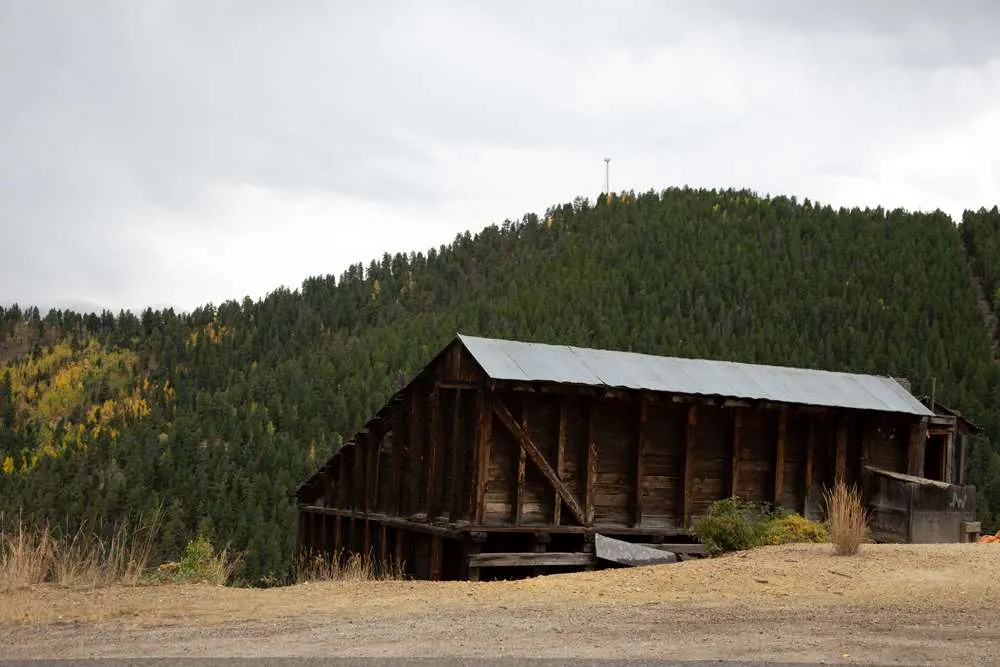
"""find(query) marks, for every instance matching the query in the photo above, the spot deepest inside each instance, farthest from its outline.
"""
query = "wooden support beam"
(560, 456)
(532, 451)
(398, 550)
(734, 477)
(690, 444)
(807, 476)
(433, 455)
(396, 462)
(392, 521)
(337, 540)
(416, 454)
(531, 559)
(521, 464)
(591, 463)
(436, 557)
(450, 384)
(343, 484)
(383, 545)
(484, 438)
(640, 453)
(915, 450)
(779, 457)
(455, 492)
(841, 453)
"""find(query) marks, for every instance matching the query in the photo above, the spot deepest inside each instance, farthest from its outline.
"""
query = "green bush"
(200, 562)
(735, 525)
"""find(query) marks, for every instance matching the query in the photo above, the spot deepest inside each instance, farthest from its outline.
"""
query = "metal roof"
(538, 362)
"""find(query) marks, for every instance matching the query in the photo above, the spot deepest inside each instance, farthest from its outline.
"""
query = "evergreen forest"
(217, 415)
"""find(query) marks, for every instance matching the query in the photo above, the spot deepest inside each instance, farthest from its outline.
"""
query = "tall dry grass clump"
(26, 556)
(847, 518)
(349, 567)
(32, 555)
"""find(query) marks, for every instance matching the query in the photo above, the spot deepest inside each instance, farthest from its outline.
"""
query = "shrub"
(735, 525)
(847, 518)
(200, 562)
(794, 528)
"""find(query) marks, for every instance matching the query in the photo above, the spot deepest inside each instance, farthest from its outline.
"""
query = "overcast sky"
(178, 153)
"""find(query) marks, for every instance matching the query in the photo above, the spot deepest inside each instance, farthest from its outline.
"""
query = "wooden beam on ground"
(690, 444)
(433, 454)
(532, 451)
(591, 463)
(484, 438)
(455, 493)
(531, 559)
(779, 457)
(841, 454)
(915, 450)
(734, 477)
(640, 454)
(560, 456)
(521, 461)
(808, 473)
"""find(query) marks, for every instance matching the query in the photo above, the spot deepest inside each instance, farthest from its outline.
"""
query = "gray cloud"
(132, 130)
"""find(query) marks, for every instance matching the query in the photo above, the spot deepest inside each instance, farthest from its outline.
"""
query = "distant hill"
(219, 414)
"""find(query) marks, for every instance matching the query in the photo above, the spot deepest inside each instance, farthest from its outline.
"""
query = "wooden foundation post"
(841, 455)
(436, 557)
(474, 547)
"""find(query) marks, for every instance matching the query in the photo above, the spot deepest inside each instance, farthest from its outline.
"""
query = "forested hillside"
(220, 413)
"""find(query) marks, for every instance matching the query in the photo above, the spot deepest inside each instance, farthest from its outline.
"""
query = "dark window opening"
(935, 451)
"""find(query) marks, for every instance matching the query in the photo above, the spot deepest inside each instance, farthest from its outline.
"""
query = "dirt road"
(914, 604)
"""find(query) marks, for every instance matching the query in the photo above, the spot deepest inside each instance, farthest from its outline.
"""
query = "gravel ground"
(909, 604)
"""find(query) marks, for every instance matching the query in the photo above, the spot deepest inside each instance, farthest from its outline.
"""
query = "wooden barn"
(503, 458)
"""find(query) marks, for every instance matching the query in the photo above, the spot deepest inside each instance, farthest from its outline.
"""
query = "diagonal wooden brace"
(531, 449)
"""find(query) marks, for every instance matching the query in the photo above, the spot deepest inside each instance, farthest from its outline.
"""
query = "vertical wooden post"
(734, 478)
(343, 483)
(560, 456)
(484, 437)
(915, 451)
(591, 479)
(383, 546)
(358, 490)
(779, 458)
(690, 443)
(841, 455)
(396, 462)
(416, 454)
(521, 461)
(337, 543)
(436, 557)
(808, 474)
(367, 547)
(474, 546)
(434, 453)
(398, 550)
(457, 449)
(640, 453)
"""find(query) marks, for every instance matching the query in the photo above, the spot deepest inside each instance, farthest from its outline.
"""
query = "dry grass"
(847, 518)
(26, 557)
(30, 556)
(354, 567)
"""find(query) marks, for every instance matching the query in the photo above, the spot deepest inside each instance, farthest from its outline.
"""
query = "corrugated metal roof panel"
(539, 362)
